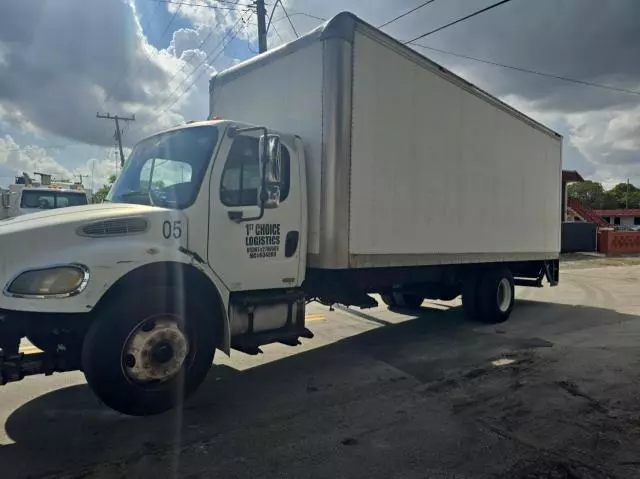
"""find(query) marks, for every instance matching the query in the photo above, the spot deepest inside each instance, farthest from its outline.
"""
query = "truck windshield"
(50, 199)
(166, 169)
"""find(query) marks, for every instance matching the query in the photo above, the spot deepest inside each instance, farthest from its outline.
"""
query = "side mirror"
(270, 161)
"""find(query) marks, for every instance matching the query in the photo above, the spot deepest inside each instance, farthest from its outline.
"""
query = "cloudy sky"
(61, 61)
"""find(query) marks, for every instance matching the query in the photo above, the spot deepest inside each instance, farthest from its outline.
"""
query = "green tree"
(589, 193)
(634, 199)
(619, 192)
(100, 195)
(609, 201)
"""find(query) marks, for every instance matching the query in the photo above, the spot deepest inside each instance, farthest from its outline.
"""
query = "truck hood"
(86, 235)
(75, 215)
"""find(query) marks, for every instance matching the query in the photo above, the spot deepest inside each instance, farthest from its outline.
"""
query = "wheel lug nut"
(129, 361)
(148, 326)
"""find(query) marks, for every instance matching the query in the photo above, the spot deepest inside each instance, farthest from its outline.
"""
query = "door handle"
(235, 215)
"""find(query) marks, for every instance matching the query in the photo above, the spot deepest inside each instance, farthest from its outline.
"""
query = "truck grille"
(121, 226)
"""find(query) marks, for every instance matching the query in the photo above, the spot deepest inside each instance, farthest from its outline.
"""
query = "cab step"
(250, 343)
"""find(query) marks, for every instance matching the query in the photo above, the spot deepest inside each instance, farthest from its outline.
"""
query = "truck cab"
(215, 207)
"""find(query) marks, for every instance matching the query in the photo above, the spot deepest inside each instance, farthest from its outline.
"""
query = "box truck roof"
(344, 25)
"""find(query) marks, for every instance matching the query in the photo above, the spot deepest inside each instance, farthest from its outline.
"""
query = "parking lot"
(377, 393)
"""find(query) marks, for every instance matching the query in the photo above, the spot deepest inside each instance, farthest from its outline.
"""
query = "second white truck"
(337, 166)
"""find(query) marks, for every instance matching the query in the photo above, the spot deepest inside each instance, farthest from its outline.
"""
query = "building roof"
(571, 176)
(619, 212)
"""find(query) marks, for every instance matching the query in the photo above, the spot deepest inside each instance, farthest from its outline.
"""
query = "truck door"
(252, 254)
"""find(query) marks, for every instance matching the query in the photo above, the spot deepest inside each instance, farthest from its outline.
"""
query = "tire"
(147, 350)
(402, 300)
(449, 294)
(389, 299)
(495, 295)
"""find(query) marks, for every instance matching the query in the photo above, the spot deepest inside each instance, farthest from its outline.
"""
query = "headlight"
(50, 282)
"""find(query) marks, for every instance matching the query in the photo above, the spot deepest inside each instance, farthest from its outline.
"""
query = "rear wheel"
(402, 300)
(148, 351)
(449, 294)
(489, 295)
(470, 296)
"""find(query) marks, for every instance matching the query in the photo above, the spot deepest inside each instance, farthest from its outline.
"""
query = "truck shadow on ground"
(69, 429)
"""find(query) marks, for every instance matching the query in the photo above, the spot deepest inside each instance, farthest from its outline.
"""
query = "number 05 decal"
(170, 229)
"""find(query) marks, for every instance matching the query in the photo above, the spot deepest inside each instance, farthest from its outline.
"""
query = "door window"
(240, 183)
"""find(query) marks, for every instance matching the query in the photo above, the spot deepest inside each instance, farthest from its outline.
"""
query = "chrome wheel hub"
(155, 350)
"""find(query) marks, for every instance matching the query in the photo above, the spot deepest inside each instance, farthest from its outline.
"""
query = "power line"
(232, 5)
(477, 12)
(288, 18)
(202, 43)
(533, 72)
(406, 13)
(173, 91)
(246, 31)
(304, 14)
(208, 58)
(277, 33)
(173, 17)
(148, 23)
(232, 34)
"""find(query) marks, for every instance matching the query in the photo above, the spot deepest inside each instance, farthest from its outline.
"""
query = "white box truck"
(337, 166)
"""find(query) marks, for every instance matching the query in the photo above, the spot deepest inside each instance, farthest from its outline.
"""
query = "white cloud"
(16, 159)
(62, 61)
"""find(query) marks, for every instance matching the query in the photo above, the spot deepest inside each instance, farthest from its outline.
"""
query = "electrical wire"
(246, 31)
(173, 17)
(173, 91)
(477, 12)
(232, 33)
(532, 72)
(408, 12)
(304, 14)
(277, 33)
(288, 18)
(199, 47)
(286, 15)
(232, 5)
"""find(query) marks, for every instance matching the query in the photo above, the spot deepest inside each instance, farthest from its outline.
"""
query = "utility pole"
(118, 131)
(262, 26)
(627, 195)
(82, 176)
(93, 168)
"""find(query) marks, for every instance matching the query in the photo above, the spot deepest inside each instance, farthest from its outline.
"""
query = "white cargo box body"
(407, 163)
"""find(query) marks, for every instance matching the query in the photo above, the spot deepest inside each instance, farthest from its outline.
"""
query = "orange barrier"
(618, 242)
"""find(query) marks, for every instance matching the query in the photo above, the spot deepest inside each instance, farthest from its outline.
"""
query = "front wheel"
(146, 352)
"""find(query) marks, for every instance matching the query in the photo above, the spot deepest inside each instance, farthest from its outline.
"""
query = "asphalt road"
(552, 393)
